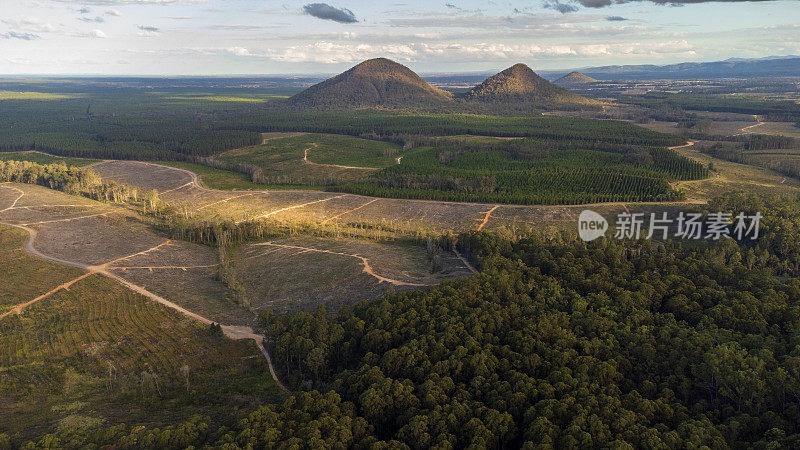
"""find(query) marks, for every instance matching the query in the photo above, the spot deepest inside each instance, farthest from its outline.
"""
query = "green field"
(23, 95)
(329, 159)
(226, 180)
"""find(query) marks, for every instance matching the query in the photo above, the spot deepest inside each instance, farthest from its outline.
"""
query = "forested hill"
(556, 343)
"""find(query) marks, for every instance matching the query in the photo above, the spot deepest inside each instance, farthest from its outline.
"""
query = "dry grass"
(732, 176)
(24, 276)
(305, 272)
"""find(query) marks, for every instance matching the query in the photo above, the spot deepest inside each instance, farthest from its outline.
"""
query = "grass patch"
(228, 99)
(225, 180)
(13, 95)
(331, 159)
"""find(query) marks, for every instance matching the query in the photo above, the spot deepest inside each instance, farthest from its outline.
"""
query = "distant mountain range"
(381, 82)
(771, 66)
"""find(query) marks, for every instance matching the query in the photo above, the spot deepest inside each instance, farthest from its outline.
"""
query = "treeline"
(165, 139)
(72, 180)
(394, 125)
(765, 141)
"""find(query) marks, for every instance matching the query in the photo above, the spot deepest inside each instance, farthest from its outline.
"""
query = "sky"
(263, 37)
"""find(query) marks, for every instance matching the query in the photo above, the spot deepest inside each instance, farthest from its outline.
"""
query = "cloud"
(563, 8)
(604, 3)
(30, 24)
(97, 19)
(526, 22)
(99, 34)
(84, 10)
(113, 12)
(327, 12)
(134, 2)
(22, 36)
(616, 19)
(327, 52)
(240, 51)
(148, 31)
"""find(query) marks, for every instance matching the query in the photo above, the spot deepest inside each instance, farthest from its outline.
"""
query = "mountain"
(375, 82)
(574, 78)
(764, 58)
(519, 83)
(732, 68)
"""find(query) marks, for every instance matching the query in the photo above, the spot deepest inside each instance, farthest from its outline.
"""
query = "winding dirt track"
(13, 205)
(307, 161)
(745, 130)
(231, 331)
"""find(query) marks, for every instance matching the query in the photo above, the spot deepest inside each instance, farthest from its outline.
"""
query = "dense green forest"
(388, 124)
(778, 111)
(555, 343)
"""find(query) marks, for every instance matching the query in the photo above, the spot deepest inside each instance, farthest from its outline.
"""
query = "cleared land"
(26, 277)
(76, 357)
(730, 176)
(114, 241)
(308, 271)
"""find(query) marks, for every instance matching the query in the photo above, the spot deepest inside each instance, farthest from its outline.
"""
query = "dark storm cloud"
(22, 36)
(327, 12)
(563, 8)
(616, 19)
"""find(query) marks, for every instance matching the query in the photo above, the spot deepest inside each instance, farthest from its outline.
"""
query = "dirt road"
(364, 261)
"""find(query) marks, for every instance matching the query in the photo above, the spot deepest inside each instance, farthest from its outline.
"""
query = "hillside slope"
(573, 78)
(375, 82)
(520, 83)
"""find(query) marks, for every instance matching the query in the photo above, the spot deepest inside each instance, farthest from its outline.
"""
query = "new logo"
(591, 225)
